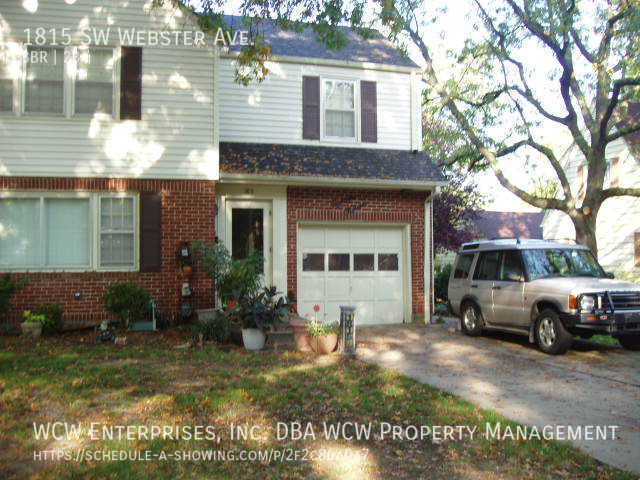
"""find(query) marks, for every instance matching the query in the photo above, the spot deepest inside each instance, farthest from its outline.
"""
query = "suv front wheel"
(471, 320)
(551, 336)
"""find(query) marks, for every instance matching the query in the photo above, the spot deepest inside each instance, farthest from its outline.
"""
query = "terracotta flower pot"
(324, 344)
(187, 270)
(301, 335)
(32, 329)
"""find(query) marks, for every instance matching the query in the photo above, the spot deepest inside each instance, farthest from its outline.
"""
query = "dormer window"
(339, 108)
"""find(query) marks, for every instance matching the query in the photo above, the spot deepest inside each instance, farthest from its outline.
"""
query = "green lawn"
(148, 382)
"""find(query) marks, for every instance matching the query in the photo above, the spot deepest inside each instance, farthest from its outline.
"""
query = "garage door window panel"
(338, 262)
(388, 262)
(313, 262)
(363, 262)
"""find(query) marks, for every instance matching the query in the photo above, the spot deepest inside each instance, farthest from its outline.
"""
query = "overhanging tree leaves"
(498, 102)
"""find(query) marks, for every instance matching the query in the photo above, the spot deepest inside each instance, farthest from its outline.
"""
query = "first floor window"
(44, 86)
(68, 232)
(339, 109)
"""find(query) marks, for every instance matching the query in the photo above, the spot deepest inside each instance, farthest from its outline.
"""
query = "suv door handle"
(496, 287)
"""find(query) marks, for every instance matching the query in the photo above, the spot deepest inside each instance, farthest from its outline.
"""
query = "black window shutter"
(150, 232)
(131, 83)
(311, 108)
(369, 112)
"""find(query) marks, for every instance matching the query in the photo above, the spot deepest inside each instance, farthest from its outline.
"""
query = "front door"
(248, 230)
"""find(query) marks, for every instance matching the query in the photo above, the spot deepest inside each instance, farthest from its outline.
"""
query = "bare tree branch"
(619, 192)
(618, 85)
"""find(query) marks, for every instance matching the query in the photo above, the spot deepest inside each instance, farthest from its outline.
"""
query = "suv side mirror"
(609, 275)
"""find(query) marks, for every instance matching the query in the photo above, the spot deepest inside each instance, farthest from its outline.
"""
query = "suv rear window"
(463, 266)
(487, 266)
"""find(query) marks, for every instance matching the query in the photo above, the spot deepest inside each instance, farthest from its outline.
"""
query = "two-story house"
(618, 224)
(117, 152)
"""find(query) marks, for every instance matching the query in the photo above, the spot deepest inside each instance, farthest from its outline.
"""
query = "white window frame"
(69, 81)
(356, 110)
(94, 230)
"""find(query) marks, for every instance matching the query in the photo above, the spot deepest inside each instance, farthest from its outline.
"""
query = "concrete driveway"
(593, 384)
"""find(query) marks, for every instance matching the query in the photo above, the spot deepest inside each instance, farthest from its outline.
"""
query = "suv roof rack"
(517, 243)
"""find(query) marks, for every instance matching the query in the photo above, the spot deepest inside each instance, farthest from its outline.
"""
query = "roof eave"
(298, 180)
(333, 63)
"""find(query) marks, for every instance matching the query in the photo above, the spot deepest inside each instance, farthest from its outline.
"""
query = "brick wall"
(188, 213)
(333, 205)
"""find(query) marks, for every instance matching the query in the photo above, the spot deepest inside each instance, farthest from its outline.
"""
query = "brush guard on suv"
(618, 314)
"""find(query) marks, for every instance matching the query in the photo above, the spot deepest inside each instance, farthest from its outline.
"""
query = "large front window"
(339, 109)
(561, 262)
(80, 231)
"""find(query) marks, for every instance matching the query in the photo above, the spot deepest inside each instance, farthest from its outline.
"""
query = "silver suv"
(549, 291)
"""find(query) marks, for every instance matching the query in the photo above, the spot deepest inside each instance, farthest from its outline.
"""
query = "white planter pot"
(253, 339)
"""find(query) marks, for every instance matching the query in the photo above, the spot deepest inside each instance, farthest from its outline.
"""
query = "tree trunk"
(585, 226)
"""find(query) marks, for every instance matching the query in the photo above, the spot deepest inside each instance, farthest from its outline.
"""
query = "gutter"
(375, 183)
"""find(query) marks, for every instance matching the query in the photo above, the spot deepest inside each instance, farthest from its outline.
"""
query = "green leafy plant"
(317, 329)
(128, 302)
(441, 282)
(30, 317)
(233, 279)
(264, 310)
(54, 314)
(7, 288)
(216, 328)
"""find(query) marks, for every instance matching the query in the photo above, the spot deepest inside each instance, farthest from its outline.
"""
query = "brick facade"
(188, 213)
(335, 205)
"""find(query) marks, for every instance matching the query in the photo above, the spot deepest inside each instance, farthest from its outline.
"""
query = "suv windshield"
(559, 262)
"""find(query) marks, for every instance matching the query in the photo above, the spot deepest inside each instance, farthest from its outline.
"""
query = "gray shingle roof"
(338, 162)
(304, 44)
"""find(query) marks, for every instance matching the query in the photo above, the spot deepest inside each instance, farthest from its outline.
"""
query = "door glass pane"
(67, 226)
(247, 232)
(363, 262)
(487, 268)
(313, 262)
(463, 266)
(45, 80)
(511, 268)
(388, 262)
(338, 262)
(20, 232)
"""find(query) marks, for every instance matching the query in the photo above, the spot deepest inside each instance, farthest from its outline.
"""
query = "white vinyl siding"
(72, 231)
(173, 140)
(271, 111)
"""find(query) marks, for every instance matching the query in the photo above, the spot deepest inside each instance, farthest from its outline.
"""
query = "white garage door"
(362, 267)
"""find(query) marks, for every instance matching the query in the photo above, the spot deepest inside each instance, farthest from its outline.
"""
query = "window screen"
(116, 232)
(339, 105)
(94, 81)
(44, 86)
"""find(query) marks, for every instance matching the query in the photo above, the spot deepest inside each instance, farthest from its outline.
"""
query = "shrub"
(7, 288)
(317, 329)
(54, 314)
(441, 282)
(128, 302)
(233, 279)
(216, 328)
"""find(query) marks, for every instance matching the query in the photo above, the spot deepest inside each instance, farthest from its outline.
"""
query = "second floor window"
(339, 109)
(6, 85)
(94, 81)
(44, 84)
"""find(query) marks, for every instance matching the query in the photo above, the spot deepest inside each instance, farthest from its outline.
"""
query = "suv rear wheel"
(471, 320)
(630, 342)
(551, 336)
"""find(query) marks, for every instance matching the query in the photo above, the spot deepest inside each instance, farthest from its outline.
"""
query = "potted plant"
(324, 336)
(32, 324)
(260, 313)
(300, 326)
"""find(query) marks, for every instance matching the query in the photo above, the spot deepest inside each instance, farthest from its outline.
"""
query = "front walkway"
(592, 384)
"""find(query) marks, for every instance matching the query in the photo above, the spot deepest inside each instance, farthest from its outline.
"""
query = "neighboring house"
(508, 225)
(112, 161)
(618, 225)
